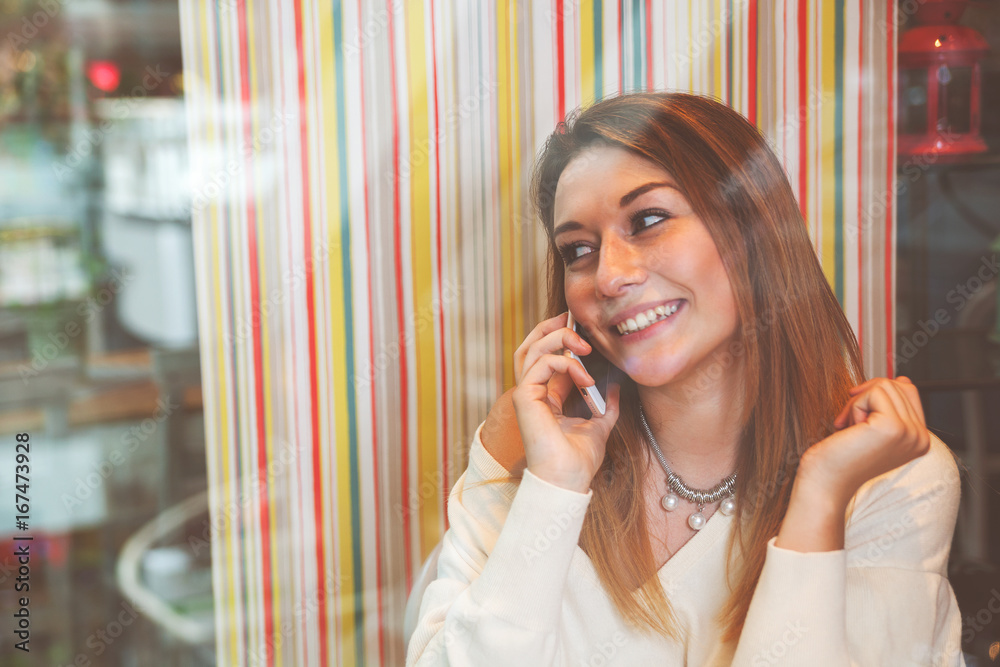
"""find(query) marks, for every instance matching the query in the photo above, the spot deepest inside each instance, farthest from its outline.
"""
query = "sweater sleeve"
(501, 572)
(882, 600)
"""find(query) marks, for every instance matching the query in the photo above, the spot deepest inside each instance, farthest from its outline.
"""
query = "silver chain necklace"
(678, 489)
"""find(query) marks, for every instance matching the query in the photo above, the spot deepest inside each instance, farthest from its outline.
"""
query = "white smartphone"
(591, 396)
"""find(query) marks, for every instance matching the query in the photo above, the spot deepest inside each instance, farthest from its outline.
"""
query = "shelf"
(123, 390)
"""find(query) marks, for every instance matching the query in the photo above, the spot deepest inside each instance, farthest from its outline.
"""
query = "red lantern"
(939, 82)
(104, 74)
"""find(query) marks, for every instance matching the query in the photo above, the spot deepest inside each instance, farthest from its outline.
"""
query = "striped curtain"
(367, 262)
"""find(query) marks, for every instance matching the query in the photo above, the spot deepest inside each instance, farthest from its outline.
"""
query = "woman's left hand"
(881, 428)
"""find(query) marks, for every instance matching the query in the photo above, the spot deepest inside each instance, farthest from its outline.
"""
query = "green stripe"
(345, 257)
(637, 60)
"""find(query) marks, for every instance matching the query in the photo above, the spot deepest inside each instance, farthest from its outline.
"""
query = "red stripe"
(397, 255)
(371, 359)
(861, 90)
(889, 190)
(311, 316)
(649, 44)
(803, 105)
(263, 499)
(560, 65)
(752, 64)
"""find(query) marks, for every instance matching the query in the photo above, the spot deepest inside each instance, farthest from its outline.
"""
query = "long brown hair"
(800, 356)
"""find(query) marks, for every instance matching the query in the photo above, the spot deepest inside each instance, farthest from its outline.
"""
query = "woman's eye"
(571, 252)
(645, 219)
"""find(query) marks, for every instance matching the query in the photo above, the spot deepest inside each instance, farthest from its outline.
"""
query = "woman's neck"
(697, 427)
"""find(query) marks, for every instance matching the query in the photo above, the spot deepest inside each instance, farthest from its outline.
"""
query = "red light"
(104, 74)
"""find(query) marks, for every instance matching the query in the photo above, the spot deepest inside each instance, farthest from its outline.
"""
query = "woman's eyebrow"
(641, 190)
(628, 198)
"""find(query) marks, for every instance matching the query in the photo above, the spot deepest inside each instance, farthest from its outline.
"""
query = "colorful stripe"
(369, 263)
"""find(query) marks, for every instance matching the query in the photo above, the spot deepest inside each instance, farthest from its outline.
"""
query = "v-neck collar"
(716, 528)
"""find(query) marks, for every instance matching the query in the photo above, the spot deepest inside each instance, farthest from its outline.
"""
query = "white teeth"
(643, 320)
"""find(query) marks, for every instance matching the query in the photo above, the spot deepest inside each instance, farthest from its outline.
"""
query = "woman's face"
(631, 244)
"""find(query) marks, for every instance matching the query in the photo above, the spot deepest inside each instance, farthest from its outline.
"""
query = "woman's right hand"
(565, 451)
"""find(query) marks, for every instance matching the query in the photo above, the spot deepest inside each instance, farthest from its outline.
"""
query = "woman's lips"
(655, 327)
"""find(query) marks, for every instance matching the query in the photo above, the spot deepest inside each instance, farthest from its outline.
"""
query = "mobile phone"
(591, 395)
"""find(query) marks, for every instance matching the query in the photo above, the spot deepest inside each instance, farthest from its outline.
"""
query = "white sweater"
(513, 588)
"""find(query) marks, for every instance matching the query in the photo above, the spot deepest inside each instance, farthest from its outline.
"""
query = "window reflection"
(98, 336)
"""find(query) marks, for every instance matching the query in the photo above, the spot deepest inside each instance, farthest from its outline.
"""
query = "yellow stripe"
(504, 172)
(828, 128)
(586, 51)
(423, 268)
(690, 47)
(515, 181)
(718, 85)
(510, 191)
(224, 480)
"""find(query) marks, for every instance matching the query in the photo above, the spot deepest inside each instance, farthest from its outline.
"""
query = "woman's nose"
(619, 265)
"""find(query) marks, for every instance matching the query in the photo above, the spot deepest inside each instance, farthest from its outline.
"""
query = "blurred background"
(947, 317)
(99, 345)
(98, 335)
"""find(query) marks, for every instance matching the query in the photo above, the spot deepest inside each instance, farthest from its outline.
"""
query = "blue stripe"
(345, 257)
(621, 44)
(637, 37)
(598, 49)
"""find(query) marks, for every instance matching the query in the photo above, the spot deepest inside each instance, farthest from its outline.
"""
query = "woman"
(746, 498)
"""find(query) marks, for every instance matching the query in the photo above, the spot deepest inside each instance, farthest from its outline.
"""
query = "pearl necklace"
(678, 489)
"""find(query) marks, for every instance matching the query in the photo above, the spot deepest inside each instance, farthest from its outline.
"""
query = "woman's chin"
(644, 375)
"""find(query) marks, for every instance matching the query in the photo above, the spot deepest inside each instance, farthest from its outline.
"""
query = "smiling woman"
(677, 244)
(644, 250)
